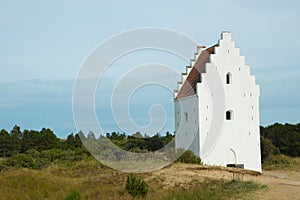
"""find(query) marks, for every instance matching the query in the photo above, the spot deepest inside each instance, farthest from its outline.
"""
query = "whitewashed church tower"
(217, 108)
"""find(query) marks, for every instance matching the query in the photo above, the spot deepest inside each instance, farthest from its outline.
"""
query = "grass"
(29, 184)
(217, 189)
(283, 162)
(89, 179)
(55, 182)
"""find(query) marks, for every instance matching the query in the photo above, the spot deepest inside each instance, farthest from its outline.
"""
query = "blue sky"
(43, 44)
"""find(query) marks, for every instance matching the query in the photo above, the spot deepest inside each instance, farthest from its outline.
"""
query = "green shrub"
(21, 160)
(3, 167)
(280, 162)
(42, 162)
(73, 195)
(267, 149)
(33, 153)
(136, 186)
(189, 157)
(52, 154)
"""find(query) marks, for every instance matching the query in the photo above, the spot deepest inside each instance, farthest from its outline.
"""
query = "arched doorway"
(231, 157)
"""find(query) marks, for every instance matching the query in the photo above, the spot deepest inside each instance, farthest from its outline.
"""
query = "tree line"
(280, 139)
(39, 149)
(275, 139)
(18, 141)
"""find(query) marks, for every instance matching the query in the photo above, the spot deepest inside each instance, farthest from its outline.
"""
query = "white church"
(217, 108)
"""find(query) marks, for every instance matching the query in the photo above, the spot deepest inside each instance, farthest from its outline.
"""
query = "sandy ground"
(281, 184)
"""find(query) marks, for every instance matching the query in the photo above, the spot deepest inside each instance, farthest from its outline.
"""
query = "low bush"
(280, 162)
(267, 149)
(21, 160)
(136, 186)
(73, 195)
(33, 153)
(189, 157)
(3, 167)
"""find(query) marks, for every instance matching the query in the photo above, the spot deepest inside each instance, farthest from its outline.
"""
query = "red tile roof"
(189, 86)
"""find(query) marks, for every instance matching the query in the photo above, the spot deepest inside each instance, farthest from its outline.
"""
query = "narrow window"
(228, 78)
(186, 117)
(229, 115)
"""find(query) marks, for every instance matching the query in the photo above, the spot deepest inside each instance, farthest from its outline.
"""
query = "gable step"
(175, 92)
(179, 85)
(192, 62)
(199, 50)
(188, 69)
(183, 77)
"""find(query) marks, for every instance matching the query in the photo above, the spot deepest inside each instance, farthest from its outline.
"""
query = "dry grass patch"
(29, 184)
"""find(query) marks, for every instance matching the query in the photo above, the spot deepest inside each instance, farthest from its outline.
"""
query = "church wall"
(187, 123)
(239, 139)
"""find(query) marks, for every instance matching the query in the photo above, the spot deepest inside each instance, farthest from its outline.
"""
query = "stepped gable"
(192, 76)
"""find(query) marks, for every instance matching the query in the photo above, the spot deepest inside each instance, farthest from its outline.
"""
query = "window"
(228, 78)
(229, 115)
(186, 116)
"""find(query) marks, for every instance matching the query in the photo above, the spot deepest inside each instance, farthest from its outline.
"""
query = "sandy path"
(281, 184)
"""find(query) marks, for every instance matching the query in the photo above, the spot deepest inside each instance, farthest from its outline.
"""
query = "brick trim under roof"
(189, 86)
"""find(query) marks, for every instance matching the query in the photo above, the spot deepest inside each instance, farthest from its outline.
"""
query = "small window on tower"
(186, 116)
(229, 115)
(228, 78)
